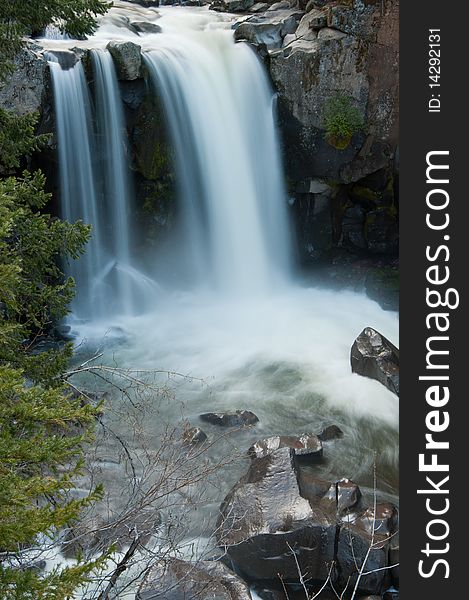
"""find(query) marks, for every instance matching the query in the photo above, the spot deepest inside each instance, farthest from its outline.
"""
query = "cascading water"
(78, 193)
(116, 186)
(219, 108)
(108, 282)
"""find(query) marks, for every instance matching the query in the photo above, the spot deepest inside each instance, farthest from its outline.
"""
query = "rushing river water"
(257, 338)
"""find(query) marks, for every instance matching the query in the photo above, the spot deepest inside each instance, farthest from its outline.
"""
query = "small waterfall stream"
(78, 191)
(95, 188)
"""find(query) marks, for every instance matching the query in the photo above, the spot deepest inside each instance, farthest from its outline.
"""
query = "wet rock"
(268, 28)
(177, 579)
(280, 507)
(239, 418)
(384, 520)
(25, 89)
(146, 27)
(348, 497)
(127, 59)
(374, 356)
(331, 432)
(307, 446)
(194, 436)
(312, 487)
(264, 517)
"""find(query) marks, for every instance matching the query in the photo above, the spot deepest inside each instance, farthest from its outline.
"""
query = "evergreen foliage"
(42, 426)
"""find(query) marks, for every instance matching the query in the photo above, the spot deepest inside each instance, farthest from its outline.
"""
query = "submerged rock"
(179, 580)
(127, 59)
(239, 418)
(374, 356)
(279, 518)
(193, 436)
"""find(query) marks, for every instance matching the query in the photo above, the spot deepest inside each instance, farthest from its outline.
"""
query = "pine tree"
(42, 426)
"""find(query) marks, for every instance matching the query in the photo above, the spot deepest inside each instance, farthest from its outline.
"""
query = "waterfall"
(95, 188)
(219, 108)
(111, 150)
(78, 193)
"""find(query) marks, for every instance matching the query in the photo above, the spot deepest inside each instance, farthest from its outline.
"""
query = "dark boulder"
(307, 446)
(239, 418)
(279, 519)
(374, 356)
(331, 432)
(179, 580)
(264, 518)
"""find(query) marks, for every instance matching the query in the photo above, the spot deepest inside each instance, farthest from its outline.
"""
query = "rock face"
(267, 526)
(179, 580)
(239, 418)
(127, 59)
(340, 49)
(24, 91)
(374, 356)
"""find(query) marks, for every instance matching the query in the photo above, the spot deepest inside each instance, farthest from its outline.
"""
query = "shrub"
(341, 120)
